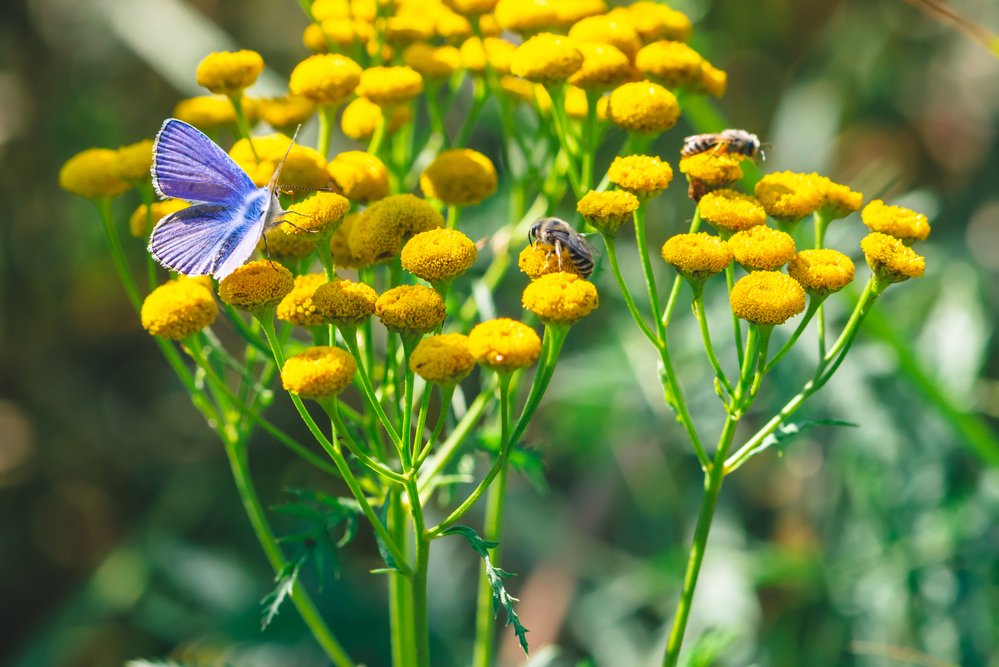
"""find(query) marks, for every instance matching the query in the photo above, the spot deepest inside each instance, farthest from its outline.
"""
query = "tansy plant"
(372, 310)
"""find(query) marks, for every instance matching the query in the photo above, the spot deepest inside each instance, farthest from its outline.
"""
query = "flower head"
(459, 177)
(318, 372)
(891, 260)
(340, 244)
(177, 309)
(503, 344)
(471, 7)
(762, 248)
(304, 167)
(138, 224)
(822, 271)
(205, 111)
(642, 175)
(325, 78)
(442, 359)
(608, 29)
(838, 201)
(604, 66)
(341, 31)
(644, 107)
(525, 16)
(406, 29)
(345, 303)
(134, 161)
(360, 118)
(387, 86)
(539, 259)
(317, 214)
(256, 286)
(607, 211)
(709, 171)
(697, 256)
(92, 174)
(280, 243)
(438, 254)
(410, 309)
(560, 298)
(788, 196)
(498, 53)
(731, 211)
(434, 63)
(387, 224)
(902, 223)
(676, 65)
(573, 11)
(546, 58)
(360, 176)
(654, 20)
(285, 112)
(228, 72)
(298, 307)
(767, 298)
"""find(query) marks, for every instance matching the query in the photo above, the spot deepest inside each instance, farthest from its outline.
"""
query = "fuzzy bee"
(735, 141)
(560, 235)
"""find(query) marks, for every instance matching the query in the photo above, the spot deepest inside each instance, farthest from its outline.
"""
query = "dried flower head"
(560, 298)
(360, 176)
(318, 372)
(697, 256)
(297, 307)
(387, 224)
(900, 222)
(503, 344)
(345, 303)
(788, 196)
(442, 359)
(762, 248)
(891, 260)
(139, 222)
(730, 211)
(178, 309)
(92, 173)
(546, 58)
(327, 78)
(767, 298)
(319, 213)
(388, 86)
(438, 255)
(410, 309)
(607, 211)
(228, 72)
(642, 175)
(644, 107)
(205, 111)
(256, 286)
(459, 177)
(821, 272)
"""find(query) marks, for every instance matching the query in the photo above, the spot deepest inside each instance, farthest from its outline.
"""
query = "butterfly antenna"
(277, 172)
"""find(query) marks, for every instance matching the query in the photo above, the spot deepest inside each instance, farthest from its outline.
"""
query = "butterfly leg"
(301, 229)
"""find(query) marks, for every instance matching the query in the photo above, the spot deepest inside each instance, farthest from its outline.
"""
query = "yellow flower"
(410, 309)
(360, 176)
(341, 32)
(697, 256)
(643, 106)
(730, 211)
(503, 344)
(256, 286)
(576, 104)
(891, 260)
(205, 111)
(285, 112)
(761, 248)
(710, 171)
(713, 81)
(279, 243)
(298, 307)
(345, 303)
(432, 62)
(304, 167)
(318, 372)
(525, 16)
(138, 224)
(92, 173)
(838, 200)
(497, 52)
(386, 86)
(604, 66)
(539, 259)
(607, 211)
(361, 116)
(325, 78)
(340, 246)
(560, 298)
(408, 29)
(788, 196)
(642, 175)
(177, 309)
(607, 29)
(569, 12)
(452, 27)
(546, 58)
(442, 359)
(471, 7)
(902, 223)
(655, 21)
(673, 64)
(228, 72)
(821, 272)
(364, 10)
(767, 298)
(459, 177)
(387, 224)
(438, 255)
(317, 214)
(134, 161)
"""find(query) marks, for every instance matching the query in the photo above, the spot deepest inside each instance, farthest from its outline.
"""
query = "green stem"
(736, 327)
(368, 391)
(650, 279)
(400, 610)
(378, 137)
(813, 307)
(562, 131)
(435, 113)
(702, 321)
(327, 120)
(480, 93)
(447, 391)
(629, 300)
(409, 381)
(418, 582)
(241, 123)
(450, 448)
(590, 137)
(453, 214)
(674, 293)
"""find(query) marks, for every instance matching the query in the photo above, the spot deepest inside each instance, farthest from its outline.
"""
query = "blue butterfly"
(229, 213)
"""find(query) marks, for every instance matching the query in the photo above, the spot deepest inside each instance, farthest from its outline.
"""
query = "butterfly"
(228, 215)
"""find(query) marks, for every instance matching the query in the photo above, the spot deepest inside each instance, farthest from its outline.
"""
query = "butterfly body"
(228, 212)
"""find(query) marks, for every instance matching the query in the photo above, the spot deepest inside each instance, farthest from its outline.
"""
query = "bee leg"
(558, 253)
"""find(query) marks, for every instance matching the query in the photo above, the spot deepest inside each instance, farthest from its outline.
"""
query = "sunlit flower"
(822, 271)
(761, 248)
(452, 27)
(710, 171)
(838, 201)
(569, 12)
(387, 224)
(560, 298)
(546, 58)
(642, 175)
(497, 52)
(525, 16)
(345, 303)
(767, 298)
(134, 161)
(256, 286)
(317, 214)
(442, 359)
(902, 223)
(139, 222)
(328, 78)
(410, 309)
(360, 176)
(386, 86)
(432, 62)
(539, 259)
(697, 256)
(343, 32)
(654, 20)
(607, 29)
(279, 243)
(360, 118)
(92, 173)
(297, 307)
(318, 372)
(788, 196)
(178, 309)
(891, 260)
(607, 211)
(643, 106)
(503, 344)
(604, 66)
(408, 29)
(731, 211)
(438, 255)
(673, 64)
(459, 177)
(471, 7)
(228, 72)
(285, 112)
(205, 111)
(304, 167)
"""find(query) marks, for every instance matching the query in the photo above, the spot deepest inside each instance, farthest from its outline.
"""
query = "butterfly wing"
(188, 165)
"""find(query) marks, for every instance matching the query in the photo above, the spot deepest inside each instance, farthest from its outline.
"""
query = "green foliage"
(708, 648)
(788, 431)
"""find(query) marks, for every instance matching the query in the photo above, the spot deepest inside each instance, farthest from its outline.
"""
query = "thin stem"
(650, 279)
(591, 139)
(702, 321)
(674, 293)
(562, 131)
(378, 137)
(629, 300)
(400, 610)
(327, 120)
(813, 306)
(418, 582)
(435, 113)
(368, 391)
(409, 380)
(241, 123)
(453, 214)
(480, 93)
(736, 327)
(447, 391)
(450, 448)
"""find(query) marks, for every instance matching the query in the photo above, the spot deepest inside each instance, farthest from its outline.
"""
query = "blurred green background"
(121, 535)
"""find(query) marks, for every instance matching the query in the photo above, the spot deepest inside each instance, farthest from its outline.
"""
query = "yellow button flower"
(341, 32)
(304, 167)
(205, 111)
(788, 196)
(607, 29)
(256, 286)
(438, 255)
(287, 111)
(643, 107)
(459, 177)
(731, 211)
(278, 243)
(178, 309)
(318, 372)
(92, 173)
(360, 176)
(388, 224)
(709, 171)
(138, 224)
(443, 359)
(298, 307)
(676, 65)
(546, 58)
(361, 117)
(471, 7)
(228, 72)
(134, 162)
(821, 272)
(410, 309)
(340, 244)
(891, 260)
(387, 86)
(497, 52)
(902, 223)
(560, 298)
(408, 29)
(570, 12)
(762, 248)
(434, 63)
(504, 344)
(539, 259)
(607, 211)
(325, 78)
(767, 298)
(654, 20)
(317, 214)
(838, 201)
(697, 256)
(525, 16)
(604, 66)
(452, 27)
(345, 303)
(642, 175)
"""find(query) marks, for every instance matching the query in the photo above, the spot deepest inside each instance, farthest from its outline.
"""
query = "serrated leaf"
(495, 577)
(786, 432)
(284, 583)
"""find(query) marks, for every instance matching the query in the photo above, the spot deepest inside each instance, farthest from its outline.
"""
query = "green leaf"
(495, 576)
(285, 582)
(708, 648)
(786, 432)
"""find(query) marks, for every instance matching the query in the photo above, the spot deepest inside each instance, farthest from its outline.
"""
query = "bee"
(560, 235)
(735, 141)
